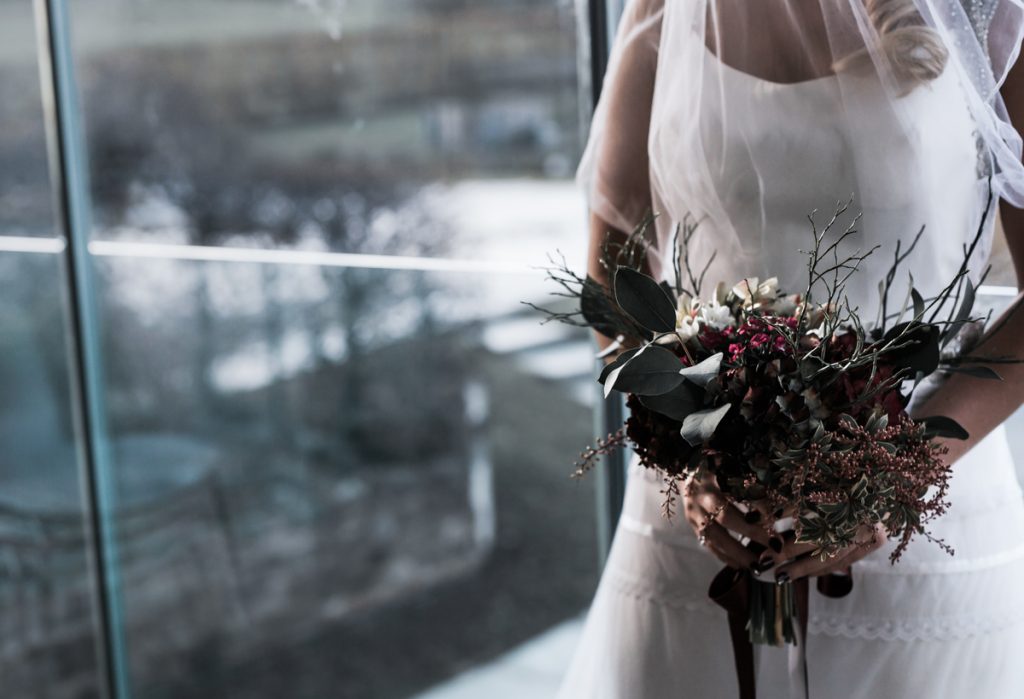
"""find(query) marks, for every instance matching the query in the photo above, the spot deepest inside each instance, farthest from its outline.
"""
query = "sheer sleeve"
(614, 168)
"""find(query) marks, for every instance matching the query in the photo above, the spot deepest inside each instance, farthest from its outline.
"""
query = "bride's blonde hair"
(913, 50)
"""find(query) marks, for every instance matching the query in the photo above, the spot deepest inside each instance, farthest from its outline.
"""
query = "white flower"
(716, 315)
(769, 288)
(786, 305)
(721, 292)
(754, 293)
(687, 322)
(816, 317)
(745, 288)
(689, 328)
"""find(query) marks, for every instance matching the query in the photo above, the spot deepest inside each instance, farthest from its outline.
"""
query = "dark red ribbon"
(730, 590)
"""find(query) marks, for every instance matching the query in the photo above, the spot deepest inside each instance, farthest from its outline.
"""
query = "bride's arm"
(982, 405)
(979, 405)
(601, 230)
(617, 165)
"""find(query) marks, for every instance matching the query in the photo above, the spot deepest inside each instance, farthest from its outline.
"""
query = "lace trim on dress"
(935, 629)
(1000, 612)
(938, 628)
(678, 599)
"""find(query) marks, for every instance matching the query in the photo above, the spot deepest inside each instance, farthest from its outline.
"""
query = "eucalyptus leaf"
(962, 316)
(610, 376)
(918, 303)
(615, 364)
(942, 426)
(700, 426)
(921, 350)
(652, 371)
(703, 372)
(882, 293)
(644, 300)
(678, 404)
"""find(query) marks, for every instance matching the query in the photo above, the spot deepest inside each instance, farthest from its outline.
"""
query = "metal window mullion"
(602, 18)
(69, 178)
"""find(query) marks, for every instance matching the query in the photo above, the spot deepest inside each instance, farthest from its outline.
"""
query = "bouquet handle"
(731, 590)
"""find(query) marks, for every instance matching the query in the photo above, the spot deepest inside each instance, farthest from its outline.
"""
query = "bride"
(750, 116)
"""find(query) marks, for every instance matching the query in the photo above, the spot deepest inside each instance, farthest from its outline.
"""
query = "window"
(329, 413)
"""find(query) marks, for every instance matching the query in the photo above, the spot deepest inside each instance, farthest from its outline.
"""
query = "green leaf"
(978, 372)
(809, 367)
(699, 427)
(918, 303)
(652, 371)
(644, 300)
(942, 426)
(889, 447)
(921, 351)
(877, 421)
(677, 404)
(966, 306)
(615, 364)
(859, 488)
(703, 372)
(847, 421)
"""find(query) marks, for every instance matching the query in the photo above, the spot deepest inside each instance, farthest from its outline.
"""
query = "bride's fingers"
(726, 548)
(791, 550)
(870, 540)
(809, 565)
(732, 519)
(729, 516)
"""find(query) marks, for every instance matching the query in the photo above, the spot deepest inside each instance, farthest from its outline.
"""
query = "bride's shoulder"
(643, 17)
(646, 9)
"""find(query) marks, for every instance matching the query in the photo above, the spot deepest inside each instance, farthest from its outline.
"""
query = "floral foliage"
(791, 401)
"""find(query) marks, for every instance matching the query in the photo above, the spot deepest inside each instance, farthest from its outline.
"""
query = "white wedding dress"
(935, 625)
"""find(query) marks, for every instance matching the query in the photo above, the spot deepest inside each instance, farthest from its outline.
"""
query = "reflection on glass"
(336, 482)
(47, 633)
(339, 482)
(25, 200)
(328, 124)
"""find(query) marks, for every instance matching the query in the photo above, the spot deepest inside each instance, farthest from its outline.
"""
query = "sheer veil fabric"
(749, 116)
(672, 135)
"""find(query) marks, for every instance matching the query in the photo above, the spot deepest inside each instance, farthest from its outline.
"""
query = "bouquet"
(794, 404)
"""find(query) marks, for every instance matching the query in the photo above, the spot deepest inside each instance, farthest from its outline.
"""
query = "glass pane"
(47, 624)
(337, 124)
(25, 198)
(339, 482)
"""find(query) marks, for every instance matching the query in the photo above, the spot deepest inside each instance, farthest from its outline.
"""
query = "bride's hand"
(796, 563)
(713, 519)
